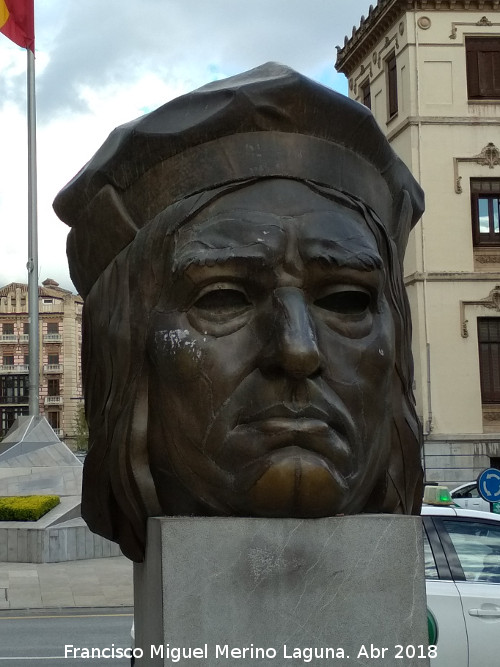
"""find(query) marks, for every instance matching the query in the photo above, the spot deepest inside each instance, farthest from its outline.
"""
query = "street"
(34, 637)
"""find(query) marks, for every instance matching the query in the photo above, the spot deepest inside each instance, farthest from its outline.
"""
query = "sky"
(101, 63)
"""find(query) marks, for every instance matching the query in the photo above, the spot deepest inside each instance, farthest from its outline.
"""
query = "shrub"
(26, 508)
(81, 429)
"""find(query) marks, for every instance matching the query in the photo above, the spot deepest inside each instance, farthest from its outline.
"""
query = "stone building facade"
(60, 323)
(430, 72)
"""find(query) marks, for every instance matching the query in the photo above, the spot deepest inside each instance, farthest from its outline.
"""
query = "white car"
(462, 570)
(467, 496)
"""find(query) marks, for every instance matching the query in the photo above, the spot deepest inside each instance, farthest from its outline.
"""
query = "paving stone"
(98, 582)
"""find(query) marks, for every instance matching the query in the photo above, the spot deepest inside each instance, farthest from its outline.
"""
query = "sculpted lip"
(285, 412)
(296, 424)
(293, 417)
(285, 425)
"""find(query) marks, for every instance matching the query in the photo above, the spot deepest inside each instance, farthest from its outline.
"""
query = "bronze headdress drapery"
(270, 121)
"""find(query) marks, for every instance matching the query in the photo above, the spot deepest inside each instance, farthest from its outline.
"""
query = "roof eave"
(368, 34)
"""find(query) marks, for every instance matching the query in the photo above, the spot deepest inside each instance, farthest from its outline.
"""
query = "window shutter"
(483, 67)
(489, 358)
(392, 82)
(472, 74)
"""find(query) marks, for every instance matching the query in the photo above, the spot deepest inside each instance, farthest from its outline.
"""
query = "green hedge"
(26, 508)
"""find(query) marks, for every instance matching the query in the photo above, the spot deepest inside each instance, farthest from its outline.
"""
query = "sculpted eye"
(222, 301)
(345, 302)
(220, 309)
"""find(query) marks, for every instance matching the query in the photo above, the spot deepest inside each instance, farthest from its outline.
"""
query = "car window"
(429, 564)
(477, 544)
(467, 492)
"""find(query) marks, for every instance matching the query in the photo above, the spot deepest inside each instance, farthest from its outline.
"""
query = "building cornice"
(374, 27)
(452, 438)
(417, 121)
(53, 291)
(454, 276)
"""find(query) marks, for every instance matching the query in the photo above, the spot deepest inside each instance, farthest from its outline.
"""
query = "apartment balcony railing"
(53, 400)
(52, 338)
(58, 432)
(8, 338)
(14, 369)
(52, 368)
(24, 338)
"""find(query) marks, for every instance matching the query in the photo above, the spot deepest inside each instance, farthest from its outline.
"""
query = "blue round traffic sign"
(488, 485)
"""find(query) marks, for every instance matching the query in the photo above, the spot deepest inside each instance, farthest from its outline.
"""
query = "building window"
(26, 328)
(488, 330)
(52, 359)
(392, 85)
(483, 67)
(8, 359)
(8, 329)
(53, 418)
(14, 389)
(495, 462)
(53, 388)
(8, 415)
(485, 202)
(366, 97)
(52, 327)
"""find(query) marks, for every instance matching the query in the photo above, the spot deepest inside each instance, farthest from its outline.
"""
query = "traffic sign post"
(488, 485)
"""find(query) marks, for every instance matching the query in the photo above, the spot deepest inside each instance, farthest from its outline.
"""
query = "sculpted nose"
(294, 349)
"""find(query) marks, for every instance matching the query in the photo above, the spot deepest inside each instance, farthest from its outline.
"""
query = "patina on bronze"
(246, 329)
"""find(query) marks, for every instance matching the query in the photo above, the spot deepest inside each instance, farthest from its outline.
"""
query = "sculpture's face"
(271, 358)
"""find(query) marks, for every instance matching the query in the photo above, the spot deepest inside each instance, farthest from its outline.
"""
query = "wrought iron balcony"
(14, 400)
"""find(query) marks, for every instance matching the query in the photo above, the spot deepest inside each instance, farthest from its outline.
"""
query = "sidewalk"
(101, 582)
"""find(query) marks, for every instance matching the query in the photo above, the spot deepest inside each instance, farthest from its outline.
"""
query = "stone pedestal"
(275, 592)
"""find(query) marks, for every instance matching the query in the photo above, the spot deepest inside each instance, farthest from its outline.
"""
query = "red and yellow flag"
(17, 22)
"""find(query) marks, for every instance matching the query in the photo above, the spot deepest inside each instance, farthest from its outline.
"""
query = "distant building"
(430, 72)
(60, 344)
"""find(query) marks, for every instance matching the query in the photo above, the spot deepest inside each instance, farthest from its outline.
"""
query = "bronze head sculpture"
(246, 329)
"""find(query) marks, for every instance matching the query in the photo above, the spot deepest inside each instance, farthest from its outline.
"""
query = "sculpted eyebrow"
(256, 255)
(341, 256)
(221, 257)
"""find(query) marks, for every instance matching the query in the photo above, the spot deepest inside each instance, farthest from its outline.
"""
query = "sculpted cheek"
(379, 360)
(378, 354)
(177, 350)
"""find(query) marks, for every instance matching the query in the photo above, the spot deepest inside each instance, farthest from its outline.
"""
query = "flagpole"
(32, 265)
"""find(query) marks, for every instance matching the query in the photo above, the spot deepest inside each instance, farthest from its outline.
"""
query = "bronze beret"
(269, 121)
